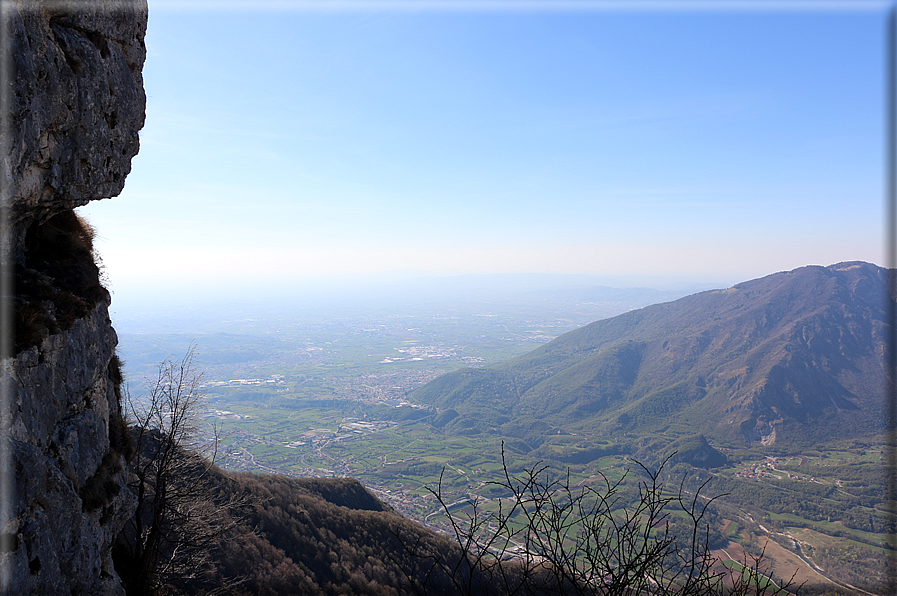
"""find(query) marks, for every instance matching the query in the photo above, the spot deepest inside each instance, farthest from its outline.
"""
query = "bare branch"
(582, 540)
(176, 523)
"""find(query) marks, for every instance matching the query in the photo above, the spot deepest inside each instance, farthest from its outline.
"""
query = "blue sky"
(285, 145)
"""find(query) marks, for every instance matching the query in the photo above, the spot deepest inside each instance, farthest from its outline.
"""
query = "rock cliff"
(73, 106)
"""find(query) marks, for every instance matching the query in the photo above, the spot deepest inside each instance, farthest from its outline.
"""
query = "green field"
(319, 396)
(404, 461)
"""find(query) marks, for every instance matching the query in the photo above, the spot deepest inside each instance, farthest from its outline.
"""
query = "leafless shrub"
(551, 537)
(177, 520)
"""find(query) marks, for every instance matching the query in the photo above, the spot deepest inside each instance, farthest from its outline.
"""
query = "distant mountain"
(783, 360)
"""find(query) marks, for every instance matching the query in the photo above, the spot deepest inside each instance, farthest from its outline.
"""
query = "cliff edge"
(73, 106)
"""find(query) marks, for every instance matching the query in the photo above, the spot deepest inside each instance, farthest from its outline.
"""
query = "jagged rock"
(76, 103)
(56, 424)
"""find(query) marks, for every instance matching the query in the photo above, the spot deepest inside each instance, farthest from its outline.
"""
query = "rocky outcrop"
(69, 501)
(74, 107)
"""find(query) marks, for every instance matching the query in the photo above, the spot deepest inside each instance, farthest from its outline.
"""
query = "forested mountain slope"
(286, 536)
(783, 359)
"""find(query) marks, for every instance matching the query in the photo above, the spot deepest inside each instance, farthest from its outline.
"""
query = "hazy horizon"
(286, 148)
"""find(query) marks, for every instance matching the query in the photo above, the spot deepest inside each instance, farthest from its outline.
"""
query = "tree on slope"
(177, 520)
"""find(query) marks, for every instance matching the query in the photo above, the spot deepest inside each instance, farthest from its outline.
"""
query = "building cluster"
(271, 380)
(762, 470)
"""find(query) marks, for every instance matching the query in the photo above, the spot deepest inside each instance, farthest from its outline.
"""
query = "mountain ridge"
(744, 364)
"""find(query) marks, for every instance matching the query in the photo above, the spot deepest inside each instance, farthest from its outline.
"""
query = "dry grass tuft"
(57, 280)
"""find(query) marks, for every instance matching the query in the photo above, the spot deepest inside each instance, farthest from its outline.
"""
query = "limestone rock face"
(70, 500)
(75, 105)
